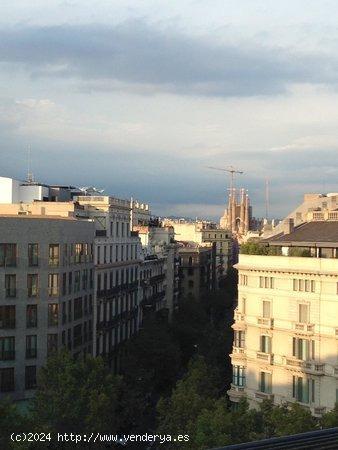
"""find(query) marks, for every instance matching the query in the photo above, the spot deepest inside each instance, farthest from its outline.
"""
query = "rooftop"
(319, 233)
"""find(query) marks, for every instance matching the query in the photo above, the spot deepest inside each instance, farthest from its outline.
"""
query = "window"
(10, 285)
(32, 285)
(31, 346)
(77, 335)
(70, 282)
(265, 382)
(33, 255)
(70, 310)
(31, 316)
(239, 338)
(266, 309)
(84, 279)
(7, 348)
(266, 282)
(64, 283)
(303, 389)
(54, 255)
(303, 349)
(191, 283)
(303, 313)
(52, 343)
(76, 281)
(302, 285)
(91, 279)
(243, 280)
(8, 255)
(7, 317)
(78, 308)
(64, 313)
(238, 376)
(190, 271)
(265, 344)
(7, 380)
(30, 377)
(53, 314)
(53, 284)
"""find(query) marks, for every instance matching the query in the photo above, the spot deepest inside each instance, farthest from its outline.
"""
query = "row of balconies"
(309, 367)
(116, 320)
(267, 322)
(107, 293)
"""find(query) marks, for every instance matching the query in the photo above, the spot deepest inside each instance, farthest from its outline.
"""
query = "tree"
(78, 396)
(195, 392)
(12, 421)
(330, 419)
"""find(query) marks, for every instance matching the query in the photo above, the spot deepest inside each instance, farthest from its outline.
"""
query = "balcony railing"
(265, 322)
(54, 262)
(294, 362)
(266, 357)
(31, 353)
(239, 317)
(314, 368)
(264, 395)
(7, 355)
(307, 328)
(10, 292)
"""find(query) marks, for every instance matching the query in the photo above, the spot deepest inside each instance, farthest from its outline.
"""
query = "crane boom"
(230, 170)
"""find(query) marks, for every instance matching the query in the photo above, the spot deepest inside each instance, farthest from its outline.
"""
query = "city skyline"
(138, 100)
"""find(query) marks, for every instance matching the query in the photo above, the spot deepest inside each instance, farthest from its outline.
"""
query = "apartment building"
(117, 258)
(46, 299)
(207, 232)
(159, 268)
(285, 330)
(196, 266)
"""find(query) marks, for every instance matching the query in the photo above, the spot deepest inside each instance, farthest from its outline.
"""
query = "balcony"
(10, 292)
(305, 328)
(239, 317)
(236, 392)
(31, 353)
(7, 355)
(265, 322)
(293, 362)
(238, 353)
(265, 357)
(264, 395)
(54, 262)
(313, 368)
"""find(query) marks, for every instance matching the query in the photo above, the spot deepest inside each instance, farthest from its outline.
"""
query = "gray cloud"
(138, 57)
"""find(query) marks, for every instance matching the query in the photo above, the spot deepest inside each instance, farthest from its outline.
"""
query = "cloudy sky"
(140, 96)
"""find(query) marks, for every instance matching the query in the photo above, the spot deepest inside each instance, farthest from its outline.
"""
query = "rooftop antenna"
(30, 177)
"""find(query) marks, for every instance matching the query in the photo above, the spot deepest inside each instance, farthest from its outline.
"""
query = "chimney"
(288, 226)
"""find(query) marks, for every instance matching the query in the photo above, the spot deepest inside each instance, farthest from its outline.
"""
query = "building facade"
(201, 232)
(117, 258)
(46, 300)
(285, 329)
(196, 266)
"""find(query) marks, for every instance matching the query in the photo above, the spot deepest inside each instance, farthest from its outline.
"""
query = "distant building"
(159, 268)
(46, 295)
(207, 232)
(238, 215)
(313, 207)
(285, 341)
(195, 269)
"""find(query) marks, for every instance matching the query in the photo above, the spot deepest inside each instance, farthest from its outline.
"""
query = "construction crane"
(230, 170)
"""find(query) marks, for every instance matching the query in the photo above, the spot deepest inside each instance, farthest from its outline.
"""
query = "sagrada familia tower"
(237, 216)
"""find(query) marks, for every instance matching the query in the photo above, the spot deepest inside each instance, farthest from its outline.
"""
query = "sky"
(140, 97)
